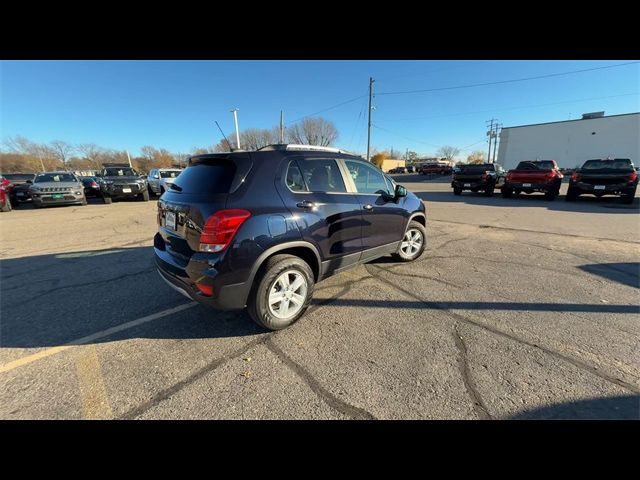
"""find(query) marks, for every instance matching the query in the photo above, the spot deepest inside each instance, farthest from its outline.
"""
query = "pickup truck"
(486, 177)
(604, 177)
(435, 168)
(534, 176)
(119, 180)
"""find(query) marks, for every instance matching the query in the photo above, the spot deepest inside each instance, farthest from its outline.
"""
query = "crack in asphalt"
(573, 361)
(75, 285)
(478, 405)
(356, 413)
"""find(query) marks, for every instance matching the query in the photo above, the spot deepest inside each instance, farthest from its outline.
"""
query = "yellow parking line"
(95, 403)
(20, 362)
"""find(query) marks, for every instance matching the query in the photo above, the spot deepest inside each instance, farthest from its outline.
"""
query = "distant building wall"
(572, 142)
(390, 163)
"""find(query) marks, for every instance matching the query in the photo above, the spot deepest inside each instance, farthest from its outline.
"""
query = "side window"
(322, 175)
(367, 178)
(294, 178)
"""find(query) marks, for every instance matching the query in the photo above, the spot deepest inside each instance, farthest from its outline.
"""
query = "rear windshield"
(617, 164)
(54, 177)
(477, 168)
(170, 173)
(18, 176)
(541, 165)
(211, 177)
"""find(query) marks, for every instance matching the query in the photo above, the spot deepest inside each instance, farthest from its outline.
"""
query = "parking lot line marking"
(20, 362)
(95, 403)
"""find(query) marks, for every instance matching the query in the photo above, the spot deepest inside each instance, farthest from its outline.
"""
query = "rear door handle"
(368, 206)
(306, 204)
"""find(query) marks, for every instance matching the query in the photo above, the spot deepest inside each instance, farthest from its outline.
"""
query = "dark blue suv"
(258, 229)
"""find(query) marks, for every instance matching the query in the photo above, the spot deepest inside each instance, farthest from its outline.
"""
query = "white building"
(571, 142)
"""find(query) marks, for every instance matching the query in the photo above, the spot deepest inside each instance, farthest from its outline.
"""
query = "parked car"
(57, 188)
(605, 177)
(119, 180)
(91, 187)
(5, 201)
(411, 169)
(259, 229)
(435, 168)
(475, 177)
(19, 190)
(161, 178)
(534, 176)
(398, 170)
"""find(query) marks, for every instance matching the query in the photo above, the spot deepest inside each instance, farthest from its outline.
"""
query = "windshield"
(617, 164)
(120, 172)
(55, 177)
(539, 165)
(170, 173)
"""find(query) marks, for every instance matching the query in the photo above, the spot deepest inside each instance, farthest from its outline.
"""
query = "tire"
(457, 191)
(107, 199)
(84, 201)
(268, 279)
(145, 196)
(409, 255)
(550, 195)
(151, 192)
(488, 192)
(6, 206)
(627, 198)
(506, 192)
(571, 195)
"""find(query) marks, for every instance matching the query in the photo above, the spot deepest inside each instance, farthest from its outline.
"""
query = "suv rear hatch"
(194, 197)
(471, 173)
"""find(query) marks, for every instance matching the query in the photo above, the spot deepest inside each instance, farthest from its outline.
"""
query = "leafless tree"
(94, 154)
(313, 131)
(62, 150)
(476, 157)
(448, 152)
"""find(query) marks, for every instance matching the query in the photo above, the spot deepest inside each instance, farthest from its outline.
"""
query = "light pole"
(235, 119)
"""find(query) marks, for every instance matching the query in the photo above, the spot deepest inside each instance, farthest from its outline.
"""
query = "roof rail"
(294, 146)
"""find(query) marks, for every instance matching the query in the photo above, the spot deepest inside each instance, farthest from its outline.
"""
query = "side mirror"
(400, 191)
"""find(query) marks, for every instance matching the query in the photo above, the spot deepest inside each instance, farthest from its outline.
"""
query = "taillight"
(575, 176)
(633, 176)
(484, 176)
(550, 174)
(220, 229)
(508, 177)
(94, 184)
(206, 290)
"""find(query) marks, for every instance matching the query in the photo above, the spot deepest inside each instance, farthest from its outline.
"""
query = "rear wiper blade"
(175, 187)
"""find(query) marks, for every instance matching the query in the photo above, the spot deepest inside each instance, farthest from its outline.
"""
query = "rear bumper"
(479, 185)
(534, 187)
(616, 189)
(183, 276)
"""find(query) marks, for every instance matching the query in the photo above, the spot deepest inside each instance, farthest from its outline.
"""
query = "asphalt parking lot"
(519, 308)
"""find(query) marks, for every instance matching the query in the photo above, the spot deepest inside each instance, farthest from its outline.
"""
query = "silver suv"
(160, 179)
(56, 188)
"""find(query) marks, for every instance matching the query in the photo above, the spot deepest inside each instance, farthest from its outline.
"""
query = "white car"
(160, 179)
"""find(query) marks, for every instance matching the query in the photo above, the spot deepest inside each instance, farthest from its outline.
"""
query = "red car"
(435, 168)
(534, 176)
(5, 188)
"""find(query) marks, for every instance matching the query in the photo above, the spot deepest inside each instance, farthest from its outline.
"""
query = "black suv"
(258, 229)
(119, 180)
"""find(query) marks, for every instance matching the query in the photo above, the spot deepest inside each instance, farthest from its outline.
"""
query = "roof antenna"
(225, 137)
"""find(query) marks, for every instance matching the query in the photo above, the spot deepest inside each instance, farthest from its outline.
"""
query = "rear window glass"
(617, 164)
(170, 173)
(476, 168)
(541, 165)
(294, 179)
(322, 175)
(18, 176)
(210, 177)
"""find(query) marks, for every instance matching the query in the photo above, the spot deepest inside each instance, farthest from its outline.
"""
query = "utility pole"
(495, 144)
(128, 157)
(281, 127)
(235, 119)
(371, 80)
(490, 134)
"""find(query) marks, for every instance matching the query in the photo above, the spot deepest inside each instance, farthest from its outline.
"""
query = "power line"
(405, 137)
(509, 81)
(327, 109)
(509, 108)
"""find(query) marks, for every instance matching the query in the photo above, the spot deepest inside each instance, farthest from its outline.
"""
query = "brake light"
(575, 176)
(508, 177)
(94, 184)
(484, 176)
(206, 290)
(633, 176)
(220, 229)
(551, 174)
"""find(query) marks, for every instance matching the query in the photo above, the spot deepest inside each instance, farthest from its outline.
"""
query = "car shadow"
(625, 407)
(50, 300)
(581, 205)
(624, 273)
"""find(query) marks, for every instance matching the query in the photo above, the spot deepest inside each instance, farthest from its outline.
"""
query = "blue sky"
(173, 104)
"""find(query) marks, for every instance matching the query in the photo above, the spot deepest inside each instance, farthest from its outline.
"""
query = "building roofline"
(576, 120)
